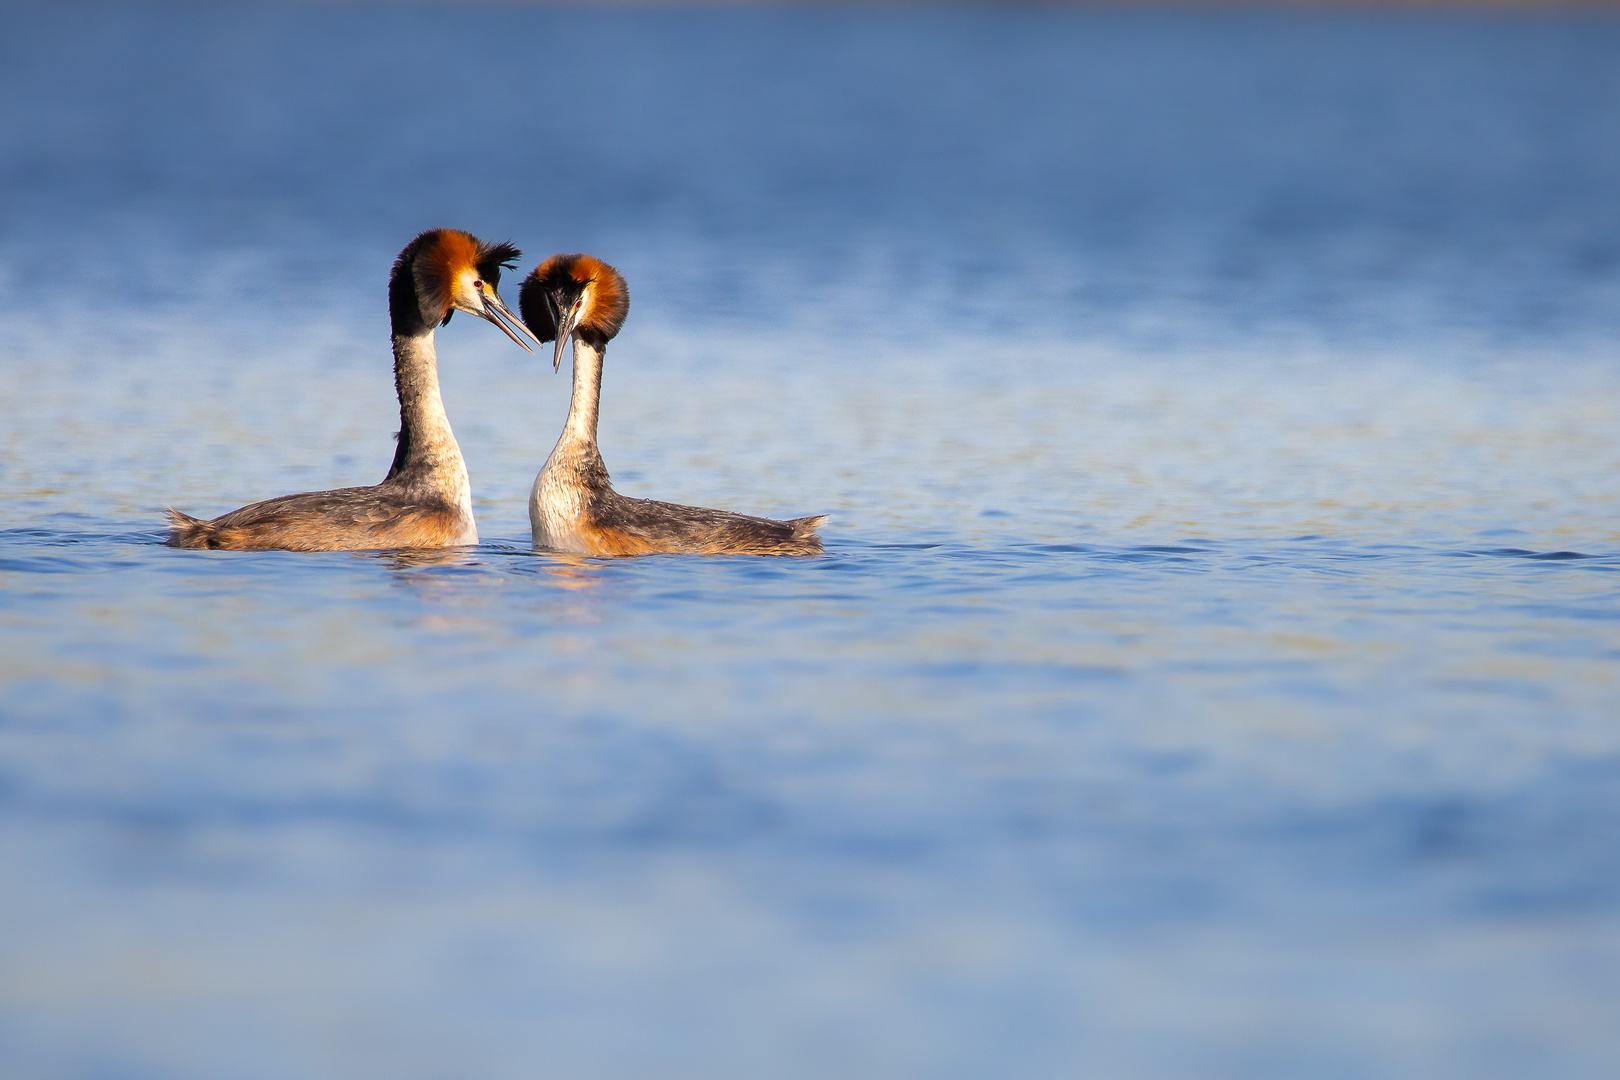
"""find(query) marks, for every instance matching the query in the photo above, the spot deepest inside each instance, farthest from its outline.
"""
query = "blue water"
(1214, 672)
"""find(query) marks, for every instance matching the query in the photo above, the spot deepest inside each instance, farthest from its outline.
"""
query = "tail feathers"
(188, 532)
(805, 528)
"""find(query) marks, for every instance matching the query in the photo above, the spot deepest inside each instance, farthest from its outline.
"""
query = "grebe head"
(574, 295)
(444, 271)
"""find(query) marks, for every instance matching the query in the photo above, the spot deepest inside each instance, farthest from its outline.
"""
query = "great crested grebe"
(573, 508)
(424, 501)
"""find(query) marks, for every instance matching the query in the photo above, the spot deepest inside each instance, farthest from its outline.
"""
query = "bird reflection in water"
(465, 586)
(416, 558)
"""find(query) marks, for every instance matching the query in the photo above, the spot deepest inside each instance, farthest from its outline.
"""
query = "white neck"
(557, 501)
(585, 407)
(428, 453)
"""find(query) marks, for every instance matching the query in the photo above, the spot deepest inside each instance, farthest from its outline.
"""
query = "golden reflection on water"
(573, 572)
(471, 603)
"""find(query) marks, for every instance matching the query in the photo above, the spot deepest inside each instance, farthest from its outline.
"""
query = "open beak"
(496, 312)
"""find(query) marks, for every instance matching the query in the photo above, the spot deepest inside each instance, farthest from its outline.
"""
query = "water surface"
(1212, 672)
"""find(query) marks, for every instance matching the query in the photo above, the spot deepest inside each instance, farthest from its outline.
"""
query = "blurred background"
(1214, 671)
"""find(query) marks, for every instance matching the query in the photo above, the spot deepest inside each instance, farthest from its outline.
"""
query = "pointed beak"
(565, 330)
(495, 311)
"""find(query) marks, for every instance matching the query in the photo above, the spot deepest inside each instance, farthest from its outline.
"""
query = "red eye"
(478, 284)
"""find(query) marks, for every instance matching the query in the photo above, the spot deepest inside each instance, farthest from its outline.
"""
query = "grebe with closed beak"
(425, 500)
(573, 507)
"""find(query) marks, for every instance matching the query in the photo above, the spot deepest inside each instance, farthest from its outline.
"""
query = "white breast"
(556, 511)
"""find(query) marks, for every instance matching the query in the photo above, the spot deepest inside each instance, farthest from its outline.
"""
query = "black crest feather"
(494, 256)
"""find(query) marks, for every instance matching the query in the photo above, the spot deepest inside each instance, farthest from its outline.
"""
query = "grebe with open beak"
(425, 500)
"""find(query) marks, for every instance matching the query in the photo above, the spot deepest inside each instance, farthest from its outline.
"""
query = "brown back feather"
(621, 525)
(346, 519)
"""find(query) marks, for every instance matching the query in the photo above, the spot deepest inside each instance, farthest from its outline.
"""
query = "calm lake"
(1215, 666)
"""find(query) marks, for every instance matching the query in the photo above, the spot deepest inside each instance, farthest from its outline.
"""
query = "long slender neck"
(426, 443)
(582, 411)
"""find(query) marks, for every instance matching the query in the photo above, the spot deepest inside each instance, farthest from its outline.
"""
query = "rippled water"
(1214, 667)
